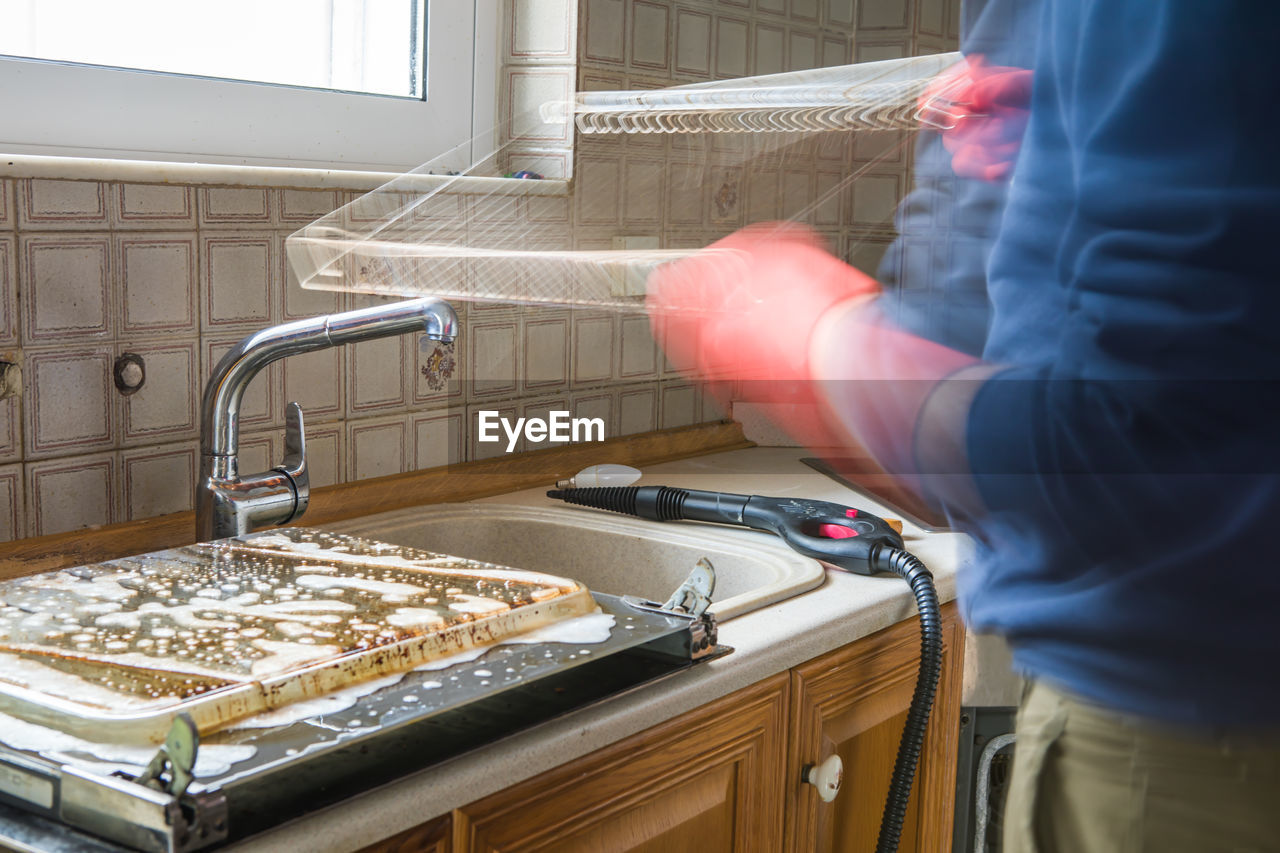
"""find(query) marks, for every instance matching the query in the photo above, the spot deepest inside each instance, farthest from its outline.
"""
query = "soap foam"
(211, 759)
(592, 628)
(330, 703)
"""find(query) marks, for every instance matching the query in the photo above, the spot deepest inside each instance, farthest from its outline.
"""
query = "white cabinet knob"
(825, 777)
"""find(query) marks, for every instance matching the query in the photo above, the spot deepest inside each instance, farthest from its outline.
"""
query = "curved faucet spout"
(228, 504)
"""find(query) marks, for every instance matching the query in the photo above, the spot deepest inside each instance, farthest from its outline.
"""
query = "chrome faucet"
(228, 504)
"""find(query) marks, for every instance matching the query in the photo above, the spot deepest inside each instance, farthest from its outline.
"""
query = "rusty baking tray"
(226, 630)
(74, 802)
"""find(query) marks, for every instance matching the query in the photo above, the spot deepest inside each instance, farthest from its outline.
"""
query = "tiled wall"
(177, 274)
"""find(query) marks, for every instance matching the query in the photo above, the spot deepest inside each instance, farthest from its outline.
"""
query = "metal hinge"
(691, 600)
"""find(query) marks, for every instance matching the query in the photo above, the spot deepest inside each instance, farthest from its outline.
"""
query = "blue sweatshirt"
(1129, 458)
(934, 274)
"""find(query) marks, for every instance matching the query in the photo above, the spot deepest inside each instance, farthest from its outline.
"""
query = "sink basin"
(608, 553)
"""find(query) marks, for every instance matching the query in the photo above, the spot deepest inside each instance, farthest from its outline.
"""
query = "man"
(1115, 449)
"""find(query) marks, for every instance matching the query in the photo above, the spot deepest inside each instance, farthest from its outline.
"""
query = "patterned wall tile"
(377, 376)
(158, 479)
(873, 200)
(733, 58)
(325, 462)
(725, 208)
(804, 10)
(769, 50)
(68, 401)
(493, 362)
(773, 7)
(679, 406)
(377, 447)
(594, 339)
(163, 206)
(438, 439)
(527, 90)
(10, 430)
(598, 197)
(8, 291)
(239, 279)
(693, 42)
(829, 198)
(545, 342)
(158, 274)
(637, 352)
(883, 15)
(58, 205)
(6, 204)
(235, 206)
(802, 51)
(874, 51)
(605, 31)
(762, 196)
(12, 503)
(66, 284)
(542, 29)
(835, 51)
(839, 12)
(166, 407)
(650, 36)
(798, 195)
(72, 493)
(637, 409)
(439, 371)
(302, 207)
(642, 191)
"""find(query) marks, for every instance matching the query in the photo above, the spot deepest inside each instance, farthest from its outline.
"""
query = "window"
(355, 84)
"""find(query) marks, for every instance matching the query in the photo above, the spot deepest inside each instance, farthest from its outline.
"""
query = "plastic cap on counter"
(610, 474)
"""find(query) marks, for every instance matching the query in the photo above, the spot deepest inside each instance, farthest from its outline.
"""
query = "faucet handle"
(295, 440)
(294, 465)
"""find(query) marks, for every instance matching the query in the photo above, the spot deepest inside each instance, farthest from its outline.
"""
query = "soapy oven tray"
(48, 805)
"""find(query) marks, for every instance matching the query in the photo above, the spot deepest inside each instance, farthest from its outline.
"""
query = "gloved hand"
(981, 111)
(767, 315)
(745, 307)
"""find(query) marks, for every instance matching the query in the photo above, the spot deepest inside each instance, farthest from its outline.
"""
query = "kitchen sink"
(608, 553)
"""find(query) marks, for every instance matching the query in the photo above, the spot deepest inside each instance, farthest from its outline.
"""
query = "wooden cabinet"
(701, 782)
(853, 702)
(728, 776)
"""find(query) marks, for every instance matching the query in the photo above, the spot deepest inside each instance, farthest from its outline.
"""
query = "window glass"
(368, 46)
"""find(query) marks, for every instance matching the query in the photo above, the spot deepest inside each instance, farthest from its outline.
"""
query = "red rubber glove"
(768, 315)
(745, 307)
(740, 314)
(981, 111)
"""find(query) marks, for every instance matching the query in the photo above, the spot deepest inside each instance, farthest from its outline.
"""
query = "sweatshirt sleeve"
(1134, 280)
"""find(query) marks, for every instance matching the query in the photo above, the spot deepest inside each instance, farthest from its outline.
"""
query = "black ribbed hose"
(911, 570)
(875, 547)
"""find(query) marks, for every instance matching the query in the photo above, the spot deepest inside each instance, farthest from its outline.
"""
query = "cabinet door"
(853, 702)
(710, 780)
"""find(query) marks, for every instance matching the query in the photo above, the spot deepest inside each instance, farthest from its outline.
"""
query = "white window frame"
(104, 113)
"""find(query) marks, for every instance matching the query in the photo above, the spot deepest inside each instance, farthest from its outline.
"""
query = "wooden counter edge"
(460, 482)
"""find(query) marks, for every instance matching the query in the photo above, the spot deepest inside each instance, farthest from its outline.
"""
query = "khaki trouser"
(1088, 780)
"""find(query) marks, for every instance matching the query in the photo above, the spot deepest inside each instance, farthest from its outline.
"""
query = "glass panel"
(371, 46)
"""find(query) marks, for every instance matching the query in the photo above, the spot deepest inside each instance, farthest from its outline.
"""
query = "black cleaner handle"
(849, 538)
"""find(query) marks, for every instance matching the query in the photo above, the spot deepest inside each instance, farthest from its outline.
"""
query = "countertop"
(767, 641)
